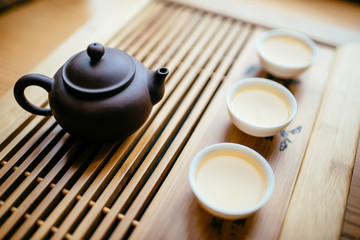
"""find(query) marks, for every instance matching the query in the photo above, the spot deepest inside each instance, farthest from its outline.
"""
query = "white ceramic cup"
(282, 70)
(256, 159)
(272, 86)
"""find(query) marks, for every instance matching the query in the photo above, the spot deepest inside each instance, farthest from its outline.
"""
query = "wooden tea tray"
(54, 186)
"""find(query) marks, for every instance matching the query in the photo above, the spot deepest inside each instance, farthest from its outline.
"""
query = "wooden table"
(53, 185)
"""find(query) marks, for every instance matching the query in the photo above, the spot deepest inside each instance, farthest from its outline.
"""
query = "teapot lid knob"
(95, 52)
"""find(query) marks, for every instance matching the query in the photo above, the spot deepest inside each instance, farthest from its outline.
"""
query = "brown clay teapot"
(101, 94)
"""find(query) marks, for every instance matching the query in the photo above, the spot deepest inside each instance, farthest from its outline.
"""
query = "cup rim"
(263, 82)
(234, 147)
(291, 33)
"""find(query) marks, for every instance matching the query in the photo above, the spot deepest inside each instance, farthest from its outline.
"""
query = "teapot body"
(102, 118)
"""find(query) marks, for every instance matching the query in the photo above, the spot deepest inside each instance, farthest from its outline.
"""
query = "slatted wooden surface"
(54, 186)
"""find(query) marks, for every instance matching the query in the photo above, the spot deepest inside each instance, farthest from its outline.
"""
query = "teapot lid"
(98, 71)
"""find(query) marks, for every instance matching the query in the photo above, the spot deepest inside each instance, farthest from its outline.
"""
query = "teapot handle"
(29, 80)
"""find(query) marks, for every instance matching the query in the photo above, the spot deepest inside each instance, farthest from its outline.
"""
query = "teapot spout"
(156, 84)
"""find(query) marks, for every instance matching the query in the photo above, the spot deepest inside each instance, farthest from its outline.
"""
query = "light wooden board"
(55, 186)
(330, 156)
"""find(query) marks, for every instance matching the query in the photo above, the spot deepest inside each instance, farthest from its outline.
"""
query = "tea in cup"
(231, 181)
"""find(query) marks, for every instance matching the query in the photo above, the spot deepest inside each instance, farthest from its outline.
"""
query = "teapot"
(100, 94)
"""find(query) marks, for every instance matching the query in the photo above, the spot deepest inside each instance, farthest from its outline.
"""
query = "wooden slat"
(329, 158)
